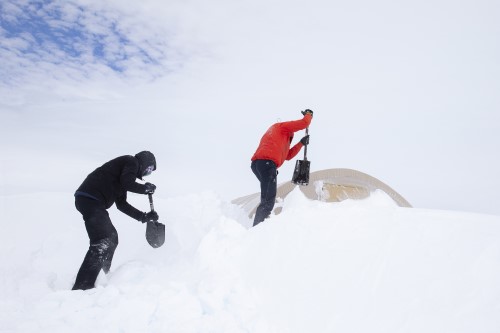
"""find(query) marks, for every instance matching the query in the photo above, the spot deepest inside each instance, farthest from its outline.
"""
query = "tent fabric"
(331, 185)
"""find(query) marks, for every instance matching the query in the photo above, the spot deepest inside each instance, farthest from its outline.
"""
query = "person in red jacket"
(274, 149)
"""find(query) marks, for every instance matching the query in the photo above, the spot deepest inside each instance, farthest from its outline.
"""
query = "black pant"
(265, 171)
(103, 241)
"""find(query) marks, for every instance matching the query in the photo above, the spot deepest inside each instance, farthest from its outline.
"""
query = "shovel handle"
(150, 196)
(305, 148)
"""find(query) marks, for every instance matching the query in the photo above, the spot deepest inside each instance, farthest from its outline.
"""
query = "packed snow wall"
(330, 185)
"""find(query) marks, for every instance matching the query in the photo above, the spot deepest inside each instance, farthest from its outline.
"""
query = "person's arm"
(297, 125)
(129, 175)
(294, 151)
(128, 209)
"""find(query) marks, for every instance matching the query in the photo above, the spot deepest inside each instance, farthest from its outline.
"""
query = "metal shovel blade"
(155, 234)
(301, 172)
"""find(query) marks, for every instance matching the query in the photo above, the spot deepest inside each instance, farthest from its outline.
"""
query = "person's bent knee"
(106, 244)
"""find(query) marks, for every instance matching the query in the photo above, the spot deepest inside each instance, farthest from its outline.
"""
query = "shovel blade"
(155, 234)
(301, 172)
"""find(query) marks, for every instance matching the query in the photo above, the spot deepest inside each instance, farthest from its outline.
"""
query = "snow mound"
(352, 266)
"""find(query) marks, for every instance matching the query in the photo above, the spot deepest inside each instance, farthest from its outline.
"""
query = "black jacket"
(110, 183)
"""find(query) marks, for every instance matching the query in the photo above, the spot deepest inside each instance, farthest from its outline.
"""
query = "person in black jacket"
(105, 186)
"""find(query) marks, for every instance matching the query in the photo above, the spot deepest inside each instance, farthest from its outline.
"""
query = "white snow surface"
(353, 266)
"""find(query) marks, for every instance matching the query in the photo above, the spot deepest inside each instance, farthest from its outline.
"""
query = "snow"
(353, 266)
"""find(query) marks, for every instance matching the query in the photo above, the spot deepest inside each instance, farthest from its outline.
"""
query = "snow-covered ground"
(354, 266)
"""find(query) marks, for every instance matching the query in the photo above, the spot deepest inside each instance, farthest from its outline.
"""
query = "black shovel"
(302, 167)
(155, 231)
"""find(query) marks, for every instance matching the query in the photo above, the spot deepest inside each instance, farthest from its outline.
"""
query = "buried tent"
(331, 185)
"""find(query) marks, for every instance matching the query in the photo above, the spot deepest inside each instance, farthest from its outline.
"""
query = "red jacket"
(275, 144)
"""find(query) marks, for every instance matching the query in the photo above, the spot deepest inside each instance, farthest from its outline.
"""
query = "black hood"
(145, 158)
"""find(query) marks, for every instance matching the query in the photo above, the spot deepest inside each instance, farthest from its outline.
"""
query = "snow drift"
(352, 266)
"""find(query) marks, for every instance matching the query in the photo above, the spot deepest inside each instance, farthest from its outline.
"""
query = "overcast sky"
(407, 92)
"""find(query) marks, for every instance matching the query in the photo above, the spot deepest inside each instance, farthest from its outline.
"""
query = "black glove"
(306, 111)
(150, 188)
(305, 140)
(150, 217)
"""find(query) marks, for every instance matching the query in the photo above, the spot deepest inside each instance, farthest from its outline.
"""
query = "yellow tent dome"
(331, 185)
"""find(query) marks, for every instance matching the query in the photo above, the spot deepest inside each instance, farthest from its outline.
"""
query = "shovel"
(155, 231)
(302, 167)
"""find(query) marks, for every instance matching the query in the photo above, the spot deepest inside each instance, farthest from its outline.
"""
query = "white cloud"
(47, 42)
